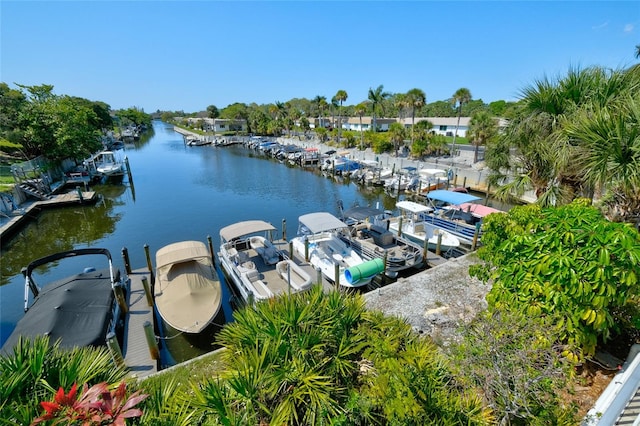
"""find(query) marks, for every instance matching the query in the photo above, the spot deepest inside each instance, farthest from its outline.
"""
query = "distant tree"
(213, 112)
(397, 134)
(415, 99)
(340, 96)
(422, 135)
(376, 97)
(497, 108)
(360, 110)
(460, 97)
(439, 109)
(482, 128)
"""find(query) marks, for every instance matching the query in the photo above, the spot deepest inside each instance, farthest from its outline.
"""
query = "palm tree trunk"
(455, 134)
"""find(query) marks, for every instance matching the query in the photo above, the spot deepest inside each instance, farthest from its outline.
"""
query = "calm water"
(178, 193)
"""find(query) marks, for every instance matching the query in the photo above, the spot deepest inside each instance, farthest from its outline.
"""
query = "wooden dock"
(22, 215)
(137, 355)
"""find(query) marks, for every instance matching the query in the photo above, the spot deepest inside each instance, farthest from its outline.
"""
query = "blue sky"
(186, 55)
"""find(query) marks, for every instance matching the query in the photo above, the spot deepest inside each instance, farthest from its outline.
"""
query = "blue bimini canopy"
(451, 197)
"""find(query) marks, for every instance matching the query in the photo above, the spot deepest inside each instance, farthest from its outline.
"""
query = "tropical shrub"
(35, 370)
(514, 361)
(319, 358)
(567, 262)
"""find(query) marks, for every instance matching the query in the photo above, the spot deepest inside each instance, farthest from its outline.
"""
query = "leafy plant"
(567, 262)
(96, 405)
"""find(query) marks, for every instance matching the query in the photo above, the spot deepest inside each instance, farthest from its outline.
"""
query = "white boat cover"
(413, 207)
(247, 227)
(321, 222)
(187, 291)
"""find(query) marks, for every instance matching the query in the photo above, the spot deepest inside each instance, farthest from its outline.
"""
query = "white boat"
(406, 179)
(258, 270)
(458, 213)
(370, 237)
(318, 241)
(105, 164)
(187, 291)
(432, 179)
(411, 224)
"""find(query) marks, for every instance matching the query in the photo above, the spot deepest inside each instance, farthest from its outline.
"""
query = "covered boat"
(79, 310)
(187, 291)
(411, 224)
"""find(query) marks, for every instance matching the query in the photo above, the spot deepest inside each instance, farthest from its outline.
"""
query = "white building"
(218, 125)
(353, 123)
(445, 126)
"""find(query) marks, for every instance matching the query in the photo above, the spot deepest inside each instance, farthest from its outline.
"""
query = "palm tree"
(460, 97)
(415, 99)
(396, 135)
(482, 128)
(340, 96)
(376, 97)
(321, 103)
(360, 110)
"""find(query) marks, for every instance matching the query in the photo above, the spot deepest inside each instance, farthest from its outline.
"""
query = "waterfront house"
(353, 123)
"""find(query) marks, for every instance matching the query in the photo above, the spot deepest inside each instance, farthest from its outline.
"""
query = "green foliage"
(135, 116)
(320, 358)
(513, 360)
(35, 370)
(569, 262)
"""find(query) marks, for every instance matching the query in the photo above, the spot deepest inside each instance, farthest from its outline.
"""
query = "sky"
(187, 55)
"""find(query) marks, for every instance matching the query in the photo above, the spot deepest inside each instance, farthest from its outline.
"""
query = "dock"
(21, 215)
(137, 356)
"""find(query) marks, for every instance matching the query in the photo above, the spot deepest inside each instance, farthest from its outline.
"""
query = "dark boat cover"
(78, 310)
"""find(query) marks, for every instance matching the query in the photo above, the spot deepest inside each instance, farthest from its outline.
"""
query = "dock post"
(284, 229)
(306, 249)
(154, 351)
(438, 246)
(122, 301)
(126, 162)
(125, 259)
(149, 265)
(114, 349)
(319, 275)
(400, 226)
(213, 254)
(476, 234)
(79, 191)
(425, 250)
(291, 250)
(486, 200)
(464, 182)
(336, 275)
(384, 270)
(147, 291)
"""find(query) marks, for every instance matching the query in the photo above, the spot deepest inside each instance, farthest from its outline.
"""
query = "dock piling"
(439, 244)
(149, 265)
(284, 229)
(147, 291)
(154, 351)
(114, 349)
(125, 259)
(213, 253)
(80, 197)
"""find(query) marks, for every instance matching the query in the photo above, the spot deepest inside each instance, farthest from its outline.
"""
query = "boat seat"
(256, 243)
(253, 275)
(242, 257)
(249, 265)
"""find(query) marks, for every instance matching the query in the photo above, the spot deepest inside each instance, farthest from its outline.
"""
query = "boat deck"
(136, 352)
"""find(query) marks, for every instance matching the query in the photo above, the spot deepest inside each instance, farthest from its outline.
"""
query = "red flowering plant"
(96, 406)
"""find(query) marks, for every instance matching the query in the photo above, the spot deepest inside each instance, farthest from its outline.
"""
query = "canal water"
(177, 193)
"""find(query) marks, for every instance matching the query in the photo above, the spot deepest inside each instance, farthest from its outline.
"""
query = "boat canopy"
(413, 207)
(241, 229)
(432, 172)
(478, 209)
(320, 222)
(362, 212)
(451, 197)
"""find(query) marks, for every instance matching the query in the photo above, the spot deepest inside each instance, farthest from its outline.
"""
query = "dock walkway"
(137, 355)
(15, 222)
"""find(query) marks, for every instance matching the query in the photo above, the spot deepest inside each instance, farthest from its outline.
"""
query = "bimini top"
(451, 197)
(320, 222)
(362, 212)
(413, 207)
(247, 227)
